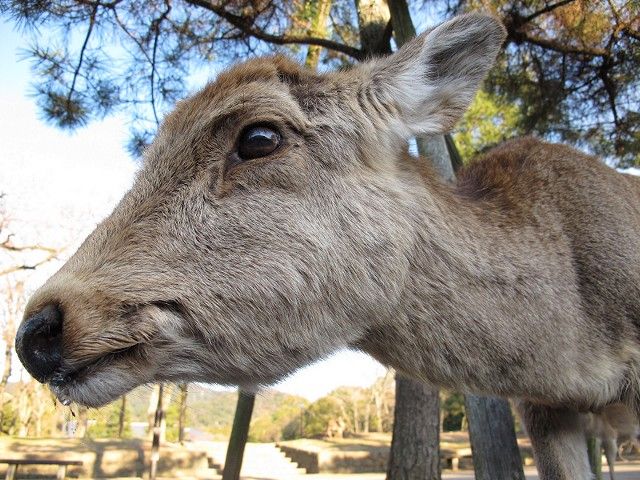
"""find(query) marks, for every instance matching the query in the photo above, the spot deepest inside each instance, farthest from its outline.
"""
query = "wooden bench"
(15, 462)
(452, 456)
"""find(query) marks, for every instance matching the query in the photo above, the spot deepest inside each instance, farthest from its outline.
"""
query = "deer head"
(273, 222)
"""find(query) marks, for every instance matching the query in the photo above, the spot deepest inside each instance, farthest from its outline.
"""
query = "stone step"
(265, 461)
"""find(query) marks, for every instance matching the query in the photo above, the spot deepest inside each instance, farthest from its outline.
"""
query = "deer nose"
(39, 342)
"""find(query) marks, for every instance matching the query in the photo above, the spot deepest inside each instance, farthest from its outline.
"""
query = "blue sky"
(59, 185)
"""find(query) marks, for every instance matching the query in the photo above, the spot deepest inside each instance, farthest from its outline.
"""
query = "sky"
(59, 185)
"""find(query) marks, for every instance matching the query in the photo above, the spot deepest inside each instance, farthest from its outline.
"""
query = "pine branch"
(92, 21)
(247, 26)
(564, 48)
(517, 32)
(547, 9)
(155, 26)
(630, 32)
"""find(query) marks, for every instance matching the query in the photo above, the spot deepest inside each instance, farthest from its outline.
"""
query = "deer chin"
(96, 384)
(104, 376)
(99, 381)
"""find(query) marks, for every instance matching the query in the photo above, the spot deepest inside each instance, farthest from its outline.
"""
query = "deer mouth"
(101, 377)
(68, 379)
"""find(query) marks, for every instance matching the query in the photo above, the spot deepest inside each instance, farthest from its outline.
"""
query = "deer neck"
(483, 301)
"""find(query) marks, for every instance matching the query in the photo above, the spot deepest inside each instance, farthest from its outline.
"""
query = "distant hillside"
(211, 410)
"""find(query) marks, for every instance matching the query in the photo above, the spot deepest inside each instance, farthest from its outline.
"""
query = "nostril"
(39, 342)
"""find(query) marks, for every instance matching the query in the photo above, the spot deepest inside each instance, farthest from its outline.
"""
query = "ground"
(120, 460)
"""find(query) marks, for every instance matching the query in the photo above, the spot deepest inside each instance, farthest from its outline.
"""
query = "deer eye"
(258, 141)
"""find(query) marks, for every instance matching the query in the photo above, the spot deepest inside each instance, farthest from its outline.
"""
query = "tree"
(13, 305)
(322, 416)
(569, 66)
(283, 422)
(182, 407)
(489, 121)
(452, 411)
(415, 448)
(16, 258)
(122, 417)
(110, 421)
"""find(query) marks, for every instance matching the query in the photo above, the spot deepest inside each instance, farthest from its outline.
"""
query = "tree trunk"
(319, 11)
(239, 434)
(356, 419)
(594, 446)
(182, 419)
(373, 20)
(378, 403)
(15, 302)
(152, 408)
(8, 354)
(83, 422)
(494, 444)
(121, 417)
(493, 440)
(5, 378)
(416, 433)
(367, 418)
(40, 409)
(24, 410)
(423, 428)
(157, 433)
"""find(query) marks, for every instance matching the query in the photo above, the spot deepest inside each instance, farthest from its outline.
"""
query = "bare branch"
(247, 26)
(623, 27)
(7, 245)
(52, 255)
(33, 266)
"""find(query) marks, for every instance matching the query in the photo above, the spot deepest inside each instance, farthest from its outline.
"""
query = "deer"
(614, 425)
(277, 217)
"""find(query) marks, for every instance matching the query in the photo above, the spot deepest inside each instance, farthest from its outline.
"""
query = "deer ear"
(432, 79)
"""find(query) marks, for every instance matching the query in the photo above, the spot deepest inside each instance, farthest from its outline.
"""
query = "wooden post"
(594, 446)
(11, 471)
(239, 435)
(62, 472)
(493, 441)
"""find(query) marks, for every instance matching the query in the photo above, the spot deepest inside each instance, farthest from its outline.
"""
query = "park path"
(262, 461)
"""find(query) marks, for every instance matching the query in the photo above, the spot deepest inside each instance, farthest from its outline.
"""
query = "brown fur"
(521, 281)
